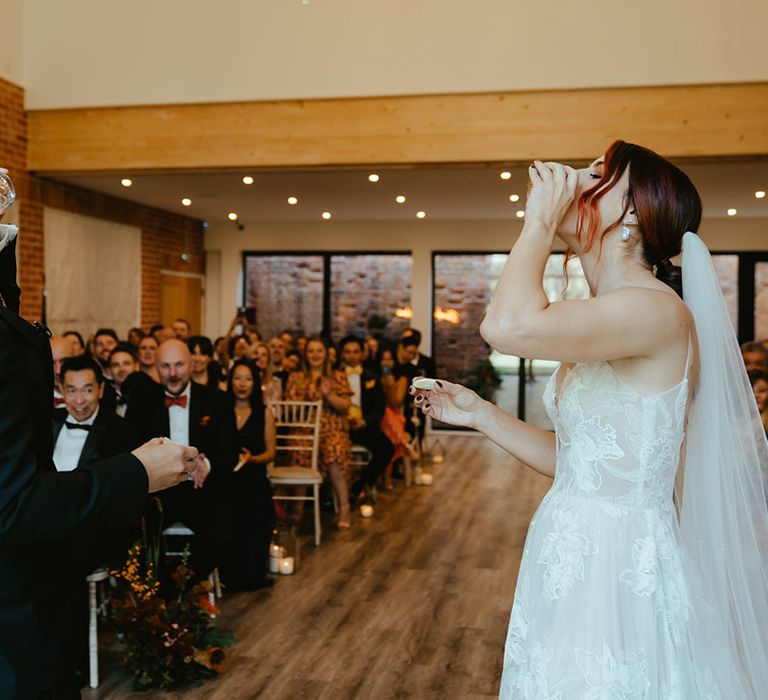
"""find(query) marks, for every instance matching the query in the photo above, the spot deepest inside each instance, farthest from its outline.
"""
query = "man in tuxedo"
(83, 434)
(202, 416)
(366, 412)
(277, 351)
(42, 511)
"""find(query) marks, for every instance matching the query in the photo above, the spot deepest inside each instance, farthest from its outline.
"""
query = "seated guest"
(134, 336)
(181, 329)
(61, 349)
(205, 370)
(83, 434)
(104, 342)
(250, 499)
(271, 386)
(365, 415)
(201, 416)
(126, 379)
(155, 329)
(421, 361)
(78, 344)
(317, 381)
(148, 357)
(755, 356)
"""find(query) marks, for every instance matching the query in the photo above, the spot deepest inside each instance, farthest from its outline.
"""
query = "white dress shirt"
(178, 421)
(178, 418)
(70, 443)
(354, 384)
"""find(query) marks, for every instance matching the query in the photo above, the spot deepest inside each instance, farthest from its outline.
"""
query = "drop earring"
(626, 233)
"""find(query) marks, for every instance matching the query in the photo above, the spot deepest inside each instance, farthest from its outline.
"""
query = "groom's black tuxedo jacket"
(41, 511)
(212, 427)
(109, 436)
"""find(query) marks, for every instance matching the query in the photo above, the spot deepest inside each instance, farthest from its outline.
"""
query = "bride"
(644, 571)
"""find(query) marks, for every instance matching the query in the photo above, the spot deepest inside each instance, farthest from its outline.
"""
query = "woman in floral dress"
(317, 381)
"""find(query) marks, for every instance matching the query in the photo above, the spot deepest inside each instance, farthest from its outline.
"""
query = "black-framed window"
(463, 282)
(331, 293)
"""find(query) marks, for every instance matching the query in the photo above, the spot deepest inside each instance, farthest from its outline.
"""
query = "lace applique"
(612, 678)
(563, 555)
(591, 445)
(536, 680)
(642, 578)
(514, 650)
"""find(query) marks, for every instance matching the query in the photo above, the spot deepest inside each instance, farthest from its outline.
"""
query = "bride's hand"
(553, 189)
(449, 403)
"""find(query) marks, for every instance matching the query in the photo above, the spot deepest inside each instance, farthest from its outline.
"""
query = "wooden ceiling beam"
(684, 121)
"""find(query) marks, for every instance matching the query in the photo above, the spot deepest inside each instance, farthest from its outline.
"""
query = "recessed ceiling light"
(421, 214)
(514, 198)
(732, 212)
(760, 194)
(187, 202)
(232, 216)
(293, 200)
(126, 182)
(373, 177)
(520, 213)
(247, 180)
(506, 175)
(400, 199)
(326, 215)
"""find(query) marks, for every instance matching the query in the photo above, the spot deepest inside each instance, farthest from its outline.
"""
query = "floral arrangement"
(165, 643)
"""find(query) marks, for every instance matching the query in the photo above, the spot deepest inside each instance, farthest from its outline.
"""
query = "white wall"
(226, 244)
(12, 41)
(87, 287)
(92, 52)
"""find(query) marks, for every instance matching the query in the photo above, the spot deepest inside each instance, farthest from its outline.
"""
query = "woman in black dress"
(251, 491)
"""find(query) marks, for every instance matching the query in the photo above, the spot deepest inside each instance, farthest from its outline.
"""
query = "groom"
(43, 512)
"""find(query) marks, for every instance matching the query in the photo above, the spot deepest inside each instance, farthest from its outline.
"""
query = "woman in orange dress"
(317, 381)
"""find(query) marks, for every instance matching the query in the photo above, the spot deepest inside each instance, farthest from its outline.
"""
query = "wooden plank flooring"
(413, 603)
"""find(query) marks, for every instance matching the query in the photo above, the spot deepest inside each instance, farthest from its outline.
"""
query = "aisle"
(411, 604)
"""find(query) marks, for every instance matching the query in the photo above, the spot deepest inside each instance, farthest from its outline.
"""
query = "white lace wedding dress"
(602, 608)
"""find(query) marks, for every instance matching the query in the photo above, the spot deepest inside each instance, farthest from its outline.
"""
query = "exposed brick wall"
(164, 236)
(13, 155)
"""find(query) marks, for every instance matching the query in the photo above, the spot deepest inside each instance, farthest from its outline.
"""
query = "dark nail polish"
(438, 383)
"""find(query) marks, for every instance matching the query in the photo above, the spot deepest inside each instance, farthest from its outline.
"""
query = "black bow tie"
(78, 426)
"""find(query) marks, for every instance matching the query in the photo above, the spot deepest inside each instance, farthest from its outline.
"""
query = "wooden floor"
(413, 603)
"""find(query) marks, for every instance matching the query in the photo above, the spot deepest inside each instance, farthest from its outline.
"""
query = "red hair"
(663, 198)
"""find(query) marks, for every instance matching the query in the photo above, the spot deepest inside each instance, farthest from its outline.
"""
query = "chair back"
(297, 424)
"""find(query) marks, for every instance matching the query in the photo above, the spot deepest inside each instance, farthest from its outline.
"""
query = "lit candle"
(274, 565)
(286, 565)
(366, 510)
(437, 459)
(426, 480)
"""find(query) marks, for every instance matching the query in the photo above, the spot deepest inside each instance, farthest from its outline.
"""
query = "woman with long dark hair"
(250, 490)
(643, 573)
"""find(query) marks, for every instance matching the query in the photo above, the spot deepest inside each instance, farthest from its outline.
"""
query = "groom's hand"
(167, 463)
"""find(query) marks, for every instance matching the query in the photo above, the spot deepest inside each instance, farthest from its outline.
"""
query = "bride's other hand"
(449, 403)
(553, 189)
